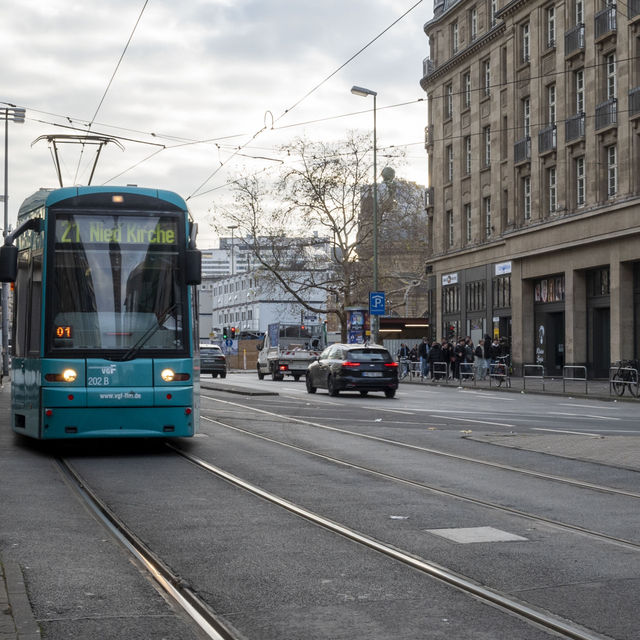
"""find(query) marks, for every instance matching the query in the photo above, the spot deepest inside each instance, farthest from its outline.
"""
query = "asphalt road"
(533, 497)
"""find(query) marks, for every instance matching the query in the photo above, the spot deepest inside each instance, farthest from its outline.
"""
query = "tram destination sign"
(108, 230)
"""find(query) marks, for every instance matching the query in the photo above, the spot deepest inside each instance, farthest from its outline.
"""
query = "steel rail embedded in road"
(196, 609)
(527, 613)
(572, 528)
(445, 454)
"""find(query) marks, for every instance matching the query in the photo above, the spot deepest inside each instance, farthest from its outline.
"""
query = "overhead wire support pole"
(15, 114)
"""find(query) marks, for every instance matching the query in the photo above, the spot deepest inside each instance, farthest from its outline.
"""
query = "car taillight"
(393, 365)
(348, 364)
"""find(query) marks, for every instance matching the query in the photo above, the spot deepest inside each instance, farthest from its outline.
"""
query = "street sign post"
(377, 303)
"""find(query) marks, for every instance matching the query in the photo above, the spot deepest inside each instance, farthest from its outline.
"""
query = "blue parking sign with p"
(377, 303)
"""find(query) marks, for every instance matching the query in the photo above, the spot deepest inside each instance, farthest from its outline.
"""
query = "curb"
(19, 607)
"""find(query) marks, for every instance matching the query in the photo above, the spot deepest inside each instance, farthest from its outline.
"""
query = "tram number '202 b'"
(98, 381)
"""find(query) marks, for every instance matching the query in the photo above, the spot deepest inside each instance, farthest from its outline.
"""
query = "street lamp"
(365, 93)
(14, 114)
(233, 227)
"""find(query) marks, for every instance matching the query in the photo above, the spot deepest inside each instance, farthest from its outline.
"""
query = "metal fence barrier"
(575, 368)
(538, 375)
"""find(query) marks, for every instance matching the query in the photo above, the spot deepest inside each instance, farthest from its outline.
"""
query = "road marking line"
(494, 424)
(573, 433)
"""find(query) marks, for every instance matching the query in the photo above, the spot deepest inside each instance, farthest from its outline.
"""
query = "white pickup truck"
(288, 349)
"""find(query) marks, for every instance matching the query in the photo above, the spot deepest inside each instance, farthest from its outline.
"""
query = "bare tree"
(307, 232)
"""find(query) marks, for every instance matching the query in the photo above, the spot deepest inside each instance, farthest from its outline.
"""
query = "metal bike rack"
(629, 383)
(467, 372)
(440, 368)
(532, 376)
(499, 370)
(575, 368)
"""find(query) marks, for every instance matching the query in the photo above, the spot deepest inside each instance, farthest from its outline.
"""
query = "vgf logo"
(377, 303)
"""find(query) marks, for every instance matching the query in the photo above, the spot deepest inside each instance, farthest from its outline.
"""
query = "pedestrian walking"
(423, 353)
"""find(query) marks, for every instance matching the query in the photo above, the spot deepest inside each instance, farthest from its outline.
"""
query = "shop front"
(549, 321)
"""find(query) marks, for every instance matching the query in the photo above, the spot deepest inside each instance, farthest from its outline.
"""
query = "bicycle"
(625, 377)
(499, 371)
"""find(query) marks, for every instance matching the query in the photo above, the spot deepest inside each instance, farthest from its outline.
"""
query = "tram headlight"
(168, 375)
(68, 375)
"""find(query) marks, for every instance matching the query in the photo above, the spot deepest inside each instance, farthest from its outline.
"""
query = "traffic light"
(225, 333)
(233, 333)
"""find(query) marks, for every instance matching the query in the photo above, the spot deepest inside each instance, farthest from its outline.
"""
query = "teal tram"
(104, 332)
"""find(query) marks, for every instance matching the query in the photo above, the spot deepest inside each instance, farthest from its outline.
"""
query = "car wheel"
(223, 375)
(214, 375)
(260, 374)
(310, 387)
(390, 393)
(296, 378)
(331, 387)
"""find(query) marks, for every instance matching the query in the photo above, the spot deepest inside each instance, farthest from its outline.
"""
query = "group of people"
(454, 354)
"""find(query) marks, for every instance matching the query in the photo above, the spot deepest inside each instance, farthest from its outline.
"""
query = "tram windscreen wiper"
(146, 336)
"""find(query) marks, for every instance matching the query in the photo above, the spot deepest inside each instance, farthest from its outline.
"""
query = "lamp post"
(233, 227)
(361, 91)
(14, 114)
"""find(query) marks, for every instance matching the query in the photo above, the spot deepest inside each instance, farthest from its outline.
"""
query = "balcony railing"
(428, 136)
(634, 101)
(522, 150)
(605, 21)
(633, 7)
(574, 127)
(547, 139)
(428, 197)
(428, 67)
(606, 114)
(574, 40)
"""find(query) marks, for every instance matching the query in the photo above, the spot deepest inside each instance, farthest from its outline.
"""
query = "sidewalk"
(16, 617)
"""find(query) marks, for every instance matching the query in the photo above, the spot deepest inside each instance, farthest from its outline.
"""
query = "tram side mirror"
(8, 263)
(193, 273)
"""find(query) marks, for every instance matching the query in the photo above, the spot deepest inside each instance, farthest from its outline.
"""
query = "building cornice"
(510, 8)
(463, 55)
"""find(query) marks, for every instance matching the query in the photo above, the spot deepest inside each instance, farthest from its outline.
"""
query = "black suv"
(212, 360)
(354, 367)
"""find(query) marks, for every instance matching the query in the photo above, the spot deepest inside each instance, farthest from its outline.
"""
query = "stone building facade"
(534, 174)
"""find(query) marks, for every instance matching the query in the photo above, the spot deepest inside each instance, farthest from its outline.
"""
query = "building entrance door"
(600, 342)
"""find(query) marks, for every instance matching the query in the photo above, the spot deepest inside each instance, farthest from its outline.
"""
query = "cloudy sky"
(199, 79)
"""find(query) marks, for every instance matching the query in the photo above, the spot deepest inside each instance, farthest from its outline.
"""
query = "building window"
(486, 206)
(473, 23)
(454, 38)
(449, 175)
(526, 117)
(580, 181)
(552, 189)
(525, 42)
(492, 11)
(579, 11)
(551, 27)
(610, 64)
(450, 236)
(579, 87)
(467, 222)
(451, 298)
(467, 155)
(466, 84)
(612, 170)
(476, 296)
(551, 104)
(526, 197)
(486, 77)
(448, 101)
(486, 135)
(502, 292)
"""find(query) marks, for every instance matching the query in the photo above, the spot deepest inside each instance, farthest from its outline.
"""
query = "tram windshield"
(116, 285)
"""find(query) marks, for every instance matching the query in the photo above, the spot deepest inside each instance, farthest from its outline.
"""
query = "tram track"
(172, 585)
(601, 537)
(445, 454)
(502, 601)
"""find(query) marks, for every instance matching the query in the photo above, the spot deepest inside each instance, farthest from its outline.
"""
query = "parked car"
(353, 367)
(212, 360)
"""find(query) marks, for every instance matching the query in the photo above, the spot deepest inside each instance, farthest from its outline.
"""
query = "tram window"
(35, 302)
(21, 302)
